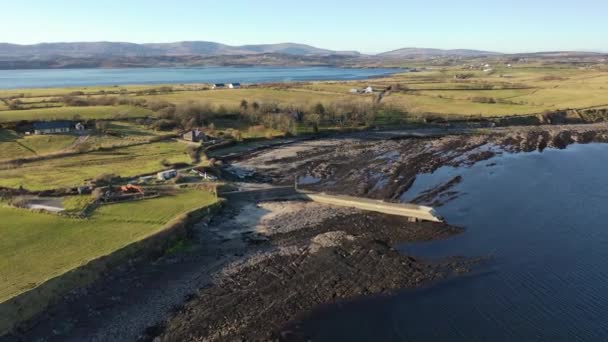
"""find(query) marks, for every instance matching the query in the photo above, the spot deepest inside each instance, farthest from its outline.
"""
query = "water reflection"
(542, 216)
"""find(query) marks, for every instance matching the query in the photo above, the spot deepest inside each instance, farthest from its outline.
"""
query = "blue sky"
(367, 26)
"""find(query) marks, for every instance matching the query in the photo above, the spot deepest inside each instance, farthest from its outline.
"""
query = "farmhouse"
(368, 90)
(52, 127)
(218, 86)
(234, 85)
(195, 135)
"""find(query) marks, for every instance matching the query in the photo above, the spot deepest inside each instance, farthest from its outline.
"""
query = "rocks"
(386, 169)
(329, 239)
(340, 257)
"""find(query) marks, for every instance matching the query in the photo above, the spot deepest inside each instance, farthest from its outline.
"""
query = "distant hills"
(191, 48)
(419, 53)
(202, 53)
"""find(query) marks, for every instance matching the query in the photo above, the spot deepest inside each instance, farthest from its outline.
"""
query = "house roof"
(52, 124)
(219, 84)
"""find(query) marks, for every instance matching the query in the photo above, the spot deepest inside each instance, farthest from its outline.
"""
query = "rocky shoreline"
(386, 169)
(346, 255)
(260, 265)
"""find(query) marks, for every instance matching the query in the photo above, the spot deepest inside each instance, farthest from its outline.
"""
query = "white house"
(234, 85)
(165, 175)
(218, 86)
(368, 90)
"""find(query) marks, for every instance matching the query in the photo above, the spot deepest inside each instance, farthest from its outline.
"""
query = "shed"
(165, 175)
(195, 135)
(52, 127)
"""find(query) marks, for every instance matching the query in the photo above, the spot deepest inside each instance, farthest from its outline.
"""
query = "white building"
(165, 175)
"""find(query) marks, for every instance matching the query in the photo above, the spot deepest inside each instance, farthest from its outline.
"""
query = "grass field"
(74, 170)
(540, 89)
(36, 247)
(522, 89)
(54, 92)
(13, 146)
(63, 113)
(231, 98)
(119, 133)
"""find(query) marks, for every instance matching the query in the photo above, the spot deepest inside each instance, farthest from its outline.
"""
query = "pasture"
(75, 170)
(69, 113)
(521, 89)
(36, 246)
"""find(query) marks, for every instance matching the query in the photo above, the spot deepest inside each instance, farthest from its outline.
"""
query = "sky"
(366, 26)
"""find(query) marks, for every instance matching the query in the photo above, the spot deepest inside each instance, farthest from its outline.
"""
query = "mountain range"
(202, 53)
(188, 48)
(418, 52)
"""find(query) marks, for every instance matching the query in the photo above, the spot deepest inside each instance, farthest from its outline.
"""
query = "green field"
(522, 89)
(13, 146)
(231, 98)
(539, 89)
(36, 247)
(68, 113)
(55, 92)
(74, 170)
(119, 133)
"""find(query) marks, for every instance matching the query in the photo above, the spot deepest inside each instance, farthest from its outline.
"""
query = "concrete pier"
(411, 211)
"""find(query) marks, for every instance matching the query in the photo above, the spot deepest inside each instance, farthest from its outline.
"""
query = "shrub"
(18, 201)
(97, 193)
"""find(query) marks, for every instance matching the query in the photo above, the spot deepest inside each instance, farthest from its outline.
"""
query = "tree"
(256, 107)
(244, 106)
(314, 120)
(101, 125)
(319, 109)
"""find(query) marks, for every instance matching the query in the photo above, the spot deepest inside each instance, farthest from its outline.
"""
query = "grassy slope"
(14, 146)
(550, 87)
(36, 247)
(231, 98)
(73, 171)
(62, 113)
(54, 92)
(571, 88)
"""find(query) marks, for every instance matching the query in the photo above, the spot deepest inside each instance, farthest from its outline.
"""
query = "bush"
(105, 179)
(18, 201)
(164, 125)
(97, 194)
(193, 153)
(483, 99)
